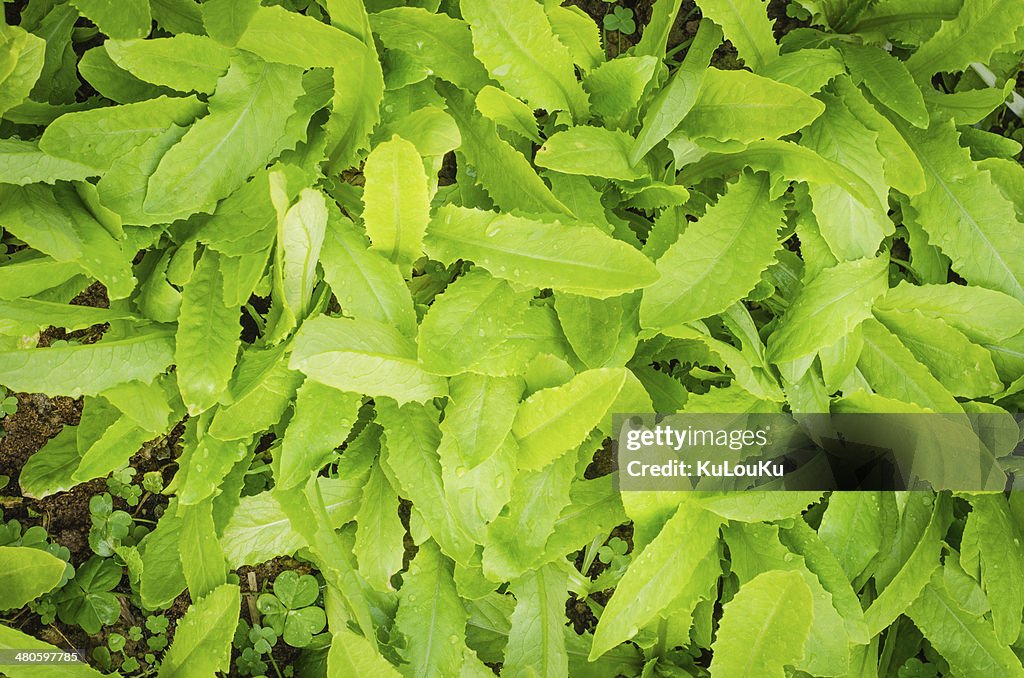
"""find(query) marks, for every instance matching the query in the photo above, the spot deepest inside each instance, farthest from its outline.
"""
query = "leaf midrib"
(513, 37)
(969, 631)
(723, 251)
(584, 267)
(755, 653)
(244, 114)
(971, 221)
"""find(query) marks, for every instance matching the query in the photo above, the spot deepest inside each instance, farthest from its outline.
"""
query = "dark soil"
(616, 43)
(12, 11)
(40, 418)
(37, 420)
(603, 462)
(65, 516)
(404, 513)
(684, 29)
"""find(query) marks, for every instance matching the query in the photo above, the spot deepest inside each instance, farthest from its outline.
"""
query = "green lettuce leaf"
(569, 257)
(519, 48)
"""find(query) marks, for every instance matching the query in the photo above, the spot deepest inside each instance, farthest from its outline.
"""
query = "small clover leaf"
(301, 625)
(109, 527)
(157, 623)
(123, 475)
(45, 608)
(35, 537)
(120, 485)
(153, 482)
(262, 638)
(295, 591)
(272, 609)
(116, 642)
(156, 643)
(250, 663)
(614, 548)
(101, 656)
(289, 611)
(10, 533)
(86, 601)
(621, 20)
(795, 11)
(241, 637)
(101, 506)
(8, 406)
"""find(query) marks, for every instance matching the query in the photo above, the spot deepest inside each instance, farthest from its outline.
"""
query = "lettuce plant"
(411, 257)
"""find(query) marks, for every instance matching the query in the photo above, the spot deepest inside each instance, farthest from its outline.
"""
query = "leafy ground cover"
(314, 316)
